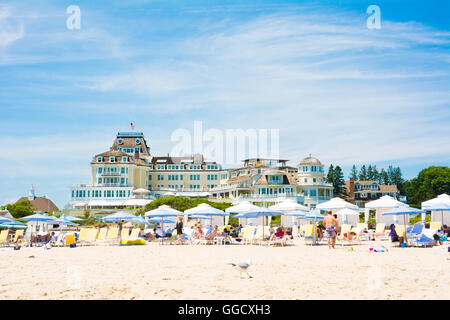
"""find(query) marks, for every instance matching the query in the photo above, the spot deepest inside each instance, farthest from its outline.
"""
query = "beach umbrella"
(403, 210)
(347, 212)
(160, 220)
(440, 206)
(205, 209)
(140, 220)
(5, 220)
(119, 216)
(336, 203)
(71, 218)
(262, 212)
(198, 216)
(141, 191)
(37, 217)
(297, 213)
(163, 211)
(242, 207)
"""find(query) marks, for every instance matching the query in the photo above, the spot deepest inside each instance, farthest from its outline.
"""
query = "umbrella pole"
(442, 216)
(404, 219)
(263, 227)
(162, 227)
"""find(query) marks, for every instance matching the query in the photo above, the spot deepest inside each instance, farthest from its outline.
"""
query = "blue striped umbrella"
(403, 210)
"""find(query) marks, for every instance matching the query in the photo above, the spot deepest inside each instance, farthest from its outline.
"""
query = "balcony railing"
(110, 174)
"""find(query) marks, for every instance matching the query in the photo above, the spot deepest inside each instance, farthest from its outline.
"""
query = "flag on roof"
(132, 126)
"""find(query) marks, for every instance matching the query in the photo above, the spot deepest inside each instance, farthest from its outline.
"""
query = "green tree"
(363, 173)
(339, 182)
(354, 173)
(20, 209)
(330, 174)
(384, 177)
(429, 183)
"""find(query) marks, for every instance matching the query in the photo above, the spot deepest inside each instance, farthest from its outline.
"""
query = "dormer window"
(99, 159)
(112, 159)
(120, 141)
(124, 159)
(138, 141)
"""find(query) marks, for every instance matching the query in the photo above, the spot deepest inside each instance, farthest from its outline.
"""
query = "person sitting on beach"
(320, 230)
(278, 235)
(394, 236)
(198, 234)
(214, 233)
(53, 237)
(271, 234)
(446, 230)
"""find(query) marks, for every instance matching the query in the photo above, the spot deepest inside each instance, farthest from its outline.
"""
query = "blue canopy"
(140, 220)
(437, 207)
(5, 220)
(71, 218)
(297, 213)
(163, 211)
(403, 210)
(314, 215)
(261, 212)
(160, 220)
(119, 216)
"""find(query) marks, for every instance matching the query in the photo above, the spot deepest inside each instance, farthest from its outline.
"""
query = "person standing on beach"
(179, 228)
(330, 224)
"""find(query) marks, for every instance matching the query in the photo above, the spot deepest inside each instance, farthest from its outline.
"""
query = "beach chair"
(69, 239)
(101, 237)
(17, 235)
(435, 225)
(302, 230)
(91, 236)
(358, 235)
(125, 233)
(134, 234)
(343, 237)
(4, 237)
(362, 226)
(83, 235)
(59, 240)
(380, 231)
(258, 235)
(310, 233)
(112, 235)
(415, 232)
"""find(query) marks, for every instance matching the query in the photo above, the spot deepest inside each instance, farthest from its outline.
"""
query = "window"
(314, 180)
(138, 141)
(99, 170)
(99, 159)
(120, 141)
(112, 159)
(124, 159)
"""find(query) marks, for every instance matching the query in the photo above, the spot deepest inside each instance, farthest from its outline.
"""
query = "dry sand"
(201, 272)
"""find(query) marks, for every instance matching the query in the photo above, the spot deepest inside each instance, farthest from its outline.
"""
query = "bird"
(242, 267)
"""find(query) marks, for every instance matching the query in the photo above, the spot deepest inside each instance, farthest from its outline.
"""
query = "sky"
(313, 70)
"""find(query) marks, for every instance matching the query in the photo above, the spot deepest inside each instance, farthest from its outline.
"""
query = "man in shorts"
(330, 224)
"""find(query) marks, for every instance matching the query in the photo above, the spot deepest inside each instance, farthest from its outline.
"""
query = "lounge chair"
(91, 236)
(436, 225)
(101, 237)
(4, 237)
(83, 235)
(134, 234)
(112, 235)
(59, 240)
(415, 232)
(18, 234)
(343, 237)
(380, 232)
(125, 233)
(310, 233)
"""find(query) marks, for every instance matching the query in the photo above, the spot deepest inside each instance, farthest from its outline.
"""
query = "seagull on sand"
(242, 267)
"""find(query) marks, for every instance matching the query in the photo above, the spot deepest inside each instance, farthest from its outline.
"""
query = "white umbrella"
(205, 209)
(288, 205)
(141, 191)
(242, 207)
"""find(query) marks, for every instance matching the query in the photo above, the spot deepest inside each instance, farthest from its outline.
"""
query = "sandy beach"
(201, 272)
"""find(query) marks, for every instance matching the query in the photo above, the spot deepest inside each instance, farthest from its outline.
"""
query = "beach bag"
(73, 245)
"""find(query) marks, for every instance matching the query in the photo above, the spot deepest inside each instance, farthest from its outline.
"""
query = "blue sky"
(335, 89)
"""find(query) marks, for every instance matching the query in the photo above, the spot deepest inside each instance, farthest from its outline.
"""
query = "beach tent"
(336, 204)
(348, 216)
(438, 206)
(119, 216)
(384, 204)
(163, 212)
(242, 207)
(296, 215)
(36, 218)
(205, 209)
(262, 212)
(287, 206)
(403, 210)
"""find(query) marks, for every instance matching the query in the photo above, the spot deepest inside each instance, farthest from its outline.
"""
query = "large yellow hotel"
(128, 176)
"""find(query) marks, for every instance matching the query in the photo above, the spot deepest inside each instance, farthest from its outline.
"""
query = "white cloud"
(10, 30)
